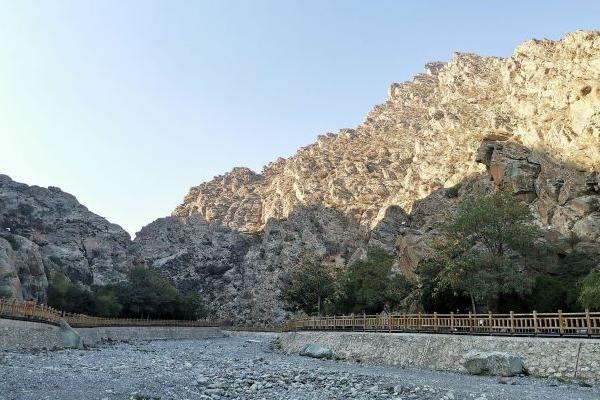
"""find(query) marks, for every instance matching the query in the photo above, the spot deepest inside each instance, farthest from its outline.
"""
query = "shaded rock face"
(240, 275)
(563, 199)
(48, 231)
(22, 275)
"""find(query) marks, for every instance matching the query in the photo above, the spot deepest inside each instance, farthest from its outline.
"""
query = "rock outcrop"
(462, 128)
(425, 137)
(45, 231)
(240, 275)
(493, 363)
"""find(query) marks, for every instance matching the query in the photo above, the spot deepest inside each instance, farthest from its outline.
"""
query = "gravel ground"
(243, 368)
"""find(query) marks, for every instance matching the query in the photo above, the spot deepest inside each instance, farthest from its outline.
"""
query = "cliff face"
(425, 137)
(460, 129)
(44, 231)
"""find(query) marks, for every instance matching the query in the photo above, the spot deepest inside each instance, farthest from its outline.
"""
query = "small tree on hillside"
(370, 285)
(589, 297)
(309, 287)
(476, 258)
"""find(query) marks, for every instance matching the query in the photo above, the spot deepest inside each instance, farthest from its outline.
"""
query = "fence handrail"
(585, 324)
(40, 313)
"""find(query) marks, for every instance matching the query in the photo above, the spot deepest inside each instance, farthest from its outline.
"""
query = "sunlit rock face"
(460, 129)
(426, 135)
(46, 231)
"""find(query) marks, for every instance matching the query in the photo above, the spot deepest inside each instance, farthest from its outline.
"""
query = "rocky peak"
(46, 230)
(426, 136)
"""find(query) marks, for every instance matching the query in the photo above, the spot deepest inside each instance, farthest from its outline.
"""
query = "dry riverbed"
(243, 368)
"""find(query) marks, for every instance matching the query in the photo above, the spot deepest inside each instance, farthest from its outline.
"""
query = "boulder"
(316, 351)
(493, 363)
(70, 338)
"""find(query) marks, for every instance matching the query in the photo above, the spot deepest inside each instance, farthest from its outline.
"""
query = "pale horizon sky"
(127, 104)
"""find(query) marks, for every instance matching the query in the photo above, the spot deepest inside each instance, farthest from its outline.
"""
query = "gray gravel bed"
(238, 368)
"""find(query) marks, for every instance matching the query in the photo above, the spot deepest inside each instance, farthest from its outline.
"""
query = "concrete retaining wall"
(543, 357)
(25, 335)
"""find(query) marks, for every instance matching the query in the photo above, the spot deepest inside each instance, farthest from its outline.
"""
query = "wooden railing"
(40, 313)
(586, 324)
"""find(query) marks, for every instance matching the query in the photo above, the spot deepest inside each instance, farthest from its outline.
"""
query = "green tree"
(589, 297)
(477, 255)
(66, 296)
(370, 285)
(308, 287)
(190, 306)
(107, 303)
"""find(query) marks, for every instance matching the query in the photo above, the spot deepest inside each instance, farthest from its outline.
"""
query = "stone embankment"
(563, 358)
(25, 335)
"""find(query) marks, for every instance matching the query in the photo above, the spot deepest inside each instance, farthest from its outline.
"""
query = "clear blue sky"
(126, 104)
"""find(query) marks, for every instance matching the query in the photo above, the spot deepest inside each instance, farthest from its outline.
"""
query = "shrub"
(589, 296)
(371, 286)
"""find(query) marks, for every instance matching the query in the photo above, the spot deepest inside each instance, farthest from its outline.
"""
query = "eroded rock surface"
(45, 230)
(426, 135)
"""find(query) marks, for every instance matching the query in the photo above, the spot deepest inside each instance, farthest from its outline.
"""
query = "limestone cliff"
(425, 137)
(460, 129)
(44, 231)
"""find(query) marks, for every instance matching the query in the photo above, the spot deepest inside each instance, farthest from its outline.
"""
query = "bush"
(145, 295)
(309, 287)
(66, 296)
(370, 286)
(548, 294)
(589, 296)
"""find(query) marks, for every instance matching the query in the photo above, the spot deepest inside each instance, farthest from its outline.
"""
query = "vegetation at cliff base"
(145, 295)
(589, 296)
(489, 257)
(370, 286)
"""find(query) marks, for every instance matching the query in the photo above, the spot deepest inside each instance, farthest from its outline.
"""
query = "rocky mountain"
(425, 137)
(459, 129)
(462, 128)
(46, 231)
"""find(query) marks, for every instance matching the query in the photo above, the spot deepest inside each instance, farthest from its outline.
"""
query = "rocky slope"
(45, 231)
(425, 137)
(460, 129)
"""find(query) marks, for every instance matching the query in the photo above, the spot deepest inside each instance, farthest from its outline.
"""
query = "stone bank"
(566, 358)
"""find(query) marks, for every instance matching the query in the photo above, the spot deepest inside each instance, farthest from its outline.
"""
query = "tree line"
(145, 295)
(489, 257)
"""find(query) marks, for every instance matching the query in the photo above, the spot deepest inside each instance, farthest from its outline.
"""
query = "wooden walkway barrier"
(582, 324)
(28, 311)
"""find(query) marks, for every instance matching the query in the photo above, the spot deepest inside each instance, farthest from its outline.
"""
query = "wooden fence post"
(451, 321)
(535, 323)
(470, 322)
(435, 321)
(560, 323)
(364, 321)
(490, 322)
(512, 322)
(588, 322)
